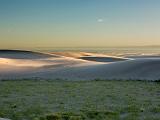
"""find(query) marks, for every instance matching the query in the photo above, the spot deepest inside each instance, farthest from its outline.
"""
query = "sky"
(79, 23)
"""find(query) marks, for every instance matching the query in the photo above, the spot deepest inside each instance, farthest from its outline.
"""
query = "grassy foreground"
(83, 100)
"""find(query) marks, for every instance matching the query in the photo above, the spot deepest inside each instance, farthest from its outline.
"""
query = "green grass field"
(80, 100)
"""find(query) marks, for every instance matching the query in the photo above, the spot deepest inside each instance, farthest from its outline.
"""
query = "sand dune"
(73, 54)
(21, 54)
(91, 56)
(72, 68)
(143, 56)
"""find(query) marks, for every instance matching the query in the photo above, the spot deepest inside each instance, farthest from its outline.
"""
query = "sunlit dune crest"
(23, 63)
(83, 54)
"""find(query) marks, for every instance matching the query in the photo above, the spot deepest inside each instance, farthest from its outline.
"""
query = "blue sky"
(63, 23)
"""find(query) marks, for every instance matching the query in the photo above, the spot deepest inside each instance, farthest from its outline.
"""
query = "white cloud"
(100, 20)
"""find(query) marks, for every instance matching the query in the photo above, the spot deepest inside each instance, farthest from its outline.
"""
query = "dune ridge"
(55, 66)
(23, 54)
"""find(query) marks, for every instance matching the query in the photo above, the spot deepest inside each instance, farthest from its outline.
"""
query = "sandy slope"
(62, 67)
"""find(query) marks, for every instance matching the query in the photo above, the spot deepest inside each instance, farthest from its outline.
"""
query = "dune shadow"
(102, 59)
